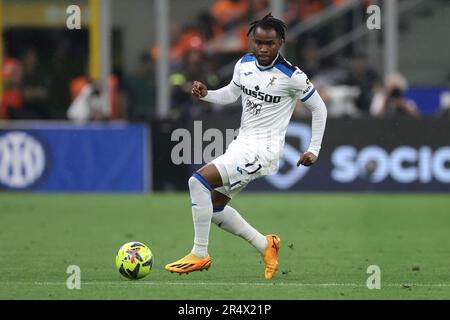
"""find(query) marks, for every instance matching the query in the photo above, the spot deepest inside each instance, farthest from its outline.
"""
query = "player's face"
(266, 44)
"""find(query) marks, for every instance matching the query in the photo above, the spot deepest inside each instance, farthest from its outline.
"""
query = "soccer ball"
(134, 260)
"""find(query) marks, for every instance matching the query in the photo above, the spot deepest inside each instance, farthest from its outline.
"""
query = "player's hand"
(199, 90)
(307, 159)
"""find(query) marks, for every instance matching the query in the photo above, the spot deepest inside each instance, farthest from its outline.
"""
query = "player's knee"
(192, 182)
(197, 181)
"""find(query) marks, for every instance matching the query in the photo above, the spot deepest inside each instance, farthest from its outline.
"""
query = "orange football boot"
(189, 263)
(270, 256)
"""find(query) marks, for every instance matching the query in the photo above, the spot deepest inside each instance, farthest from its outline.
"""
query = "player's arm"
(225, 95)
(312, 100)
(319, 119)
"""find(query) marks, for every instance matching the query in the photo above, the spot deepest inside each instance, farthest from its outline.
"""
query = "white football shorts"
(244, 161)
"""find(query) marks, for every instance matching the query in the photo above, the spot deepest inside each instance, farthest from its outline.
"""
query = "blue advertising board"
(74, 158)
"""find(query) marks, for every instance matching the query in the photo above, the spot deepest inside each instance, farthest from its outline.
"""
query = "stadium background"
(86, 145)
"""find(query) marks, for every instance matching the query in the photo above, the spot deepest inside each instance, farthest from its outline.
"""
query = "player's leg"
(238, 169)
(201, 184)
(230, 220)
(211, 174)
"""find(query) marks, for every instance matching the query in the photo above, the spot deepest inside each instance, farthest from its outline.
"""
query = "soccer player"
(269, 87)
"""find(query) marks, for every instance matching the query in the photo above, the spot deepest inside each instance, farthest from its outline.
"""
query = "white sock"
(230, 220)
(201, 213)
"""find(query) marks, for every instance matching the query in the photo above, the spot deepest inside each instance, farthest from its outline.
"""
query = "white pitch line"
(263, 284)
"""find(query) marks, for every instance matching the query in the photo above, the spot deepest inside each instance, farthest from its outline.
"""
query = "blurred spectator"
(190, 39)
(259, 8)
(341, 101)
(232, 18)
(12, 102)
(89, 104)
(142, 89)
(195, 67)
(390, 101)
(119, 95)
(310, 60)
(229, 46)
(364, 78)
(35, 88)
(61, 70)
(444, 101)
(309, 8)
(208, 26)
(230, 13)
(301, 10)
(291, 16)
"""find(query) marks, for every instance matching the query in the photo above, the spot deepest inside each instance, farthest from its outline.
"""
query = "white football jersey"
(269, 95)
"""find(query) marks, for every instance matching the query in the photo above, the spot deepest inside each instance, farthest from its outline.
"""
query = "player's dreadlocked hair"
(269, 22)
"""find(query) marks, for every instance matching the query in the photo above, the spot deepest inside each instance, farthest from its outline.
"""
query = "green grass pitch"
(328, 241)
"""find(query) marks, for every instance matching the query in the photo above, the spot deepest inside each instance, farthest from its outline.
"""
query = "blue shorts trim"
(202, 181)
